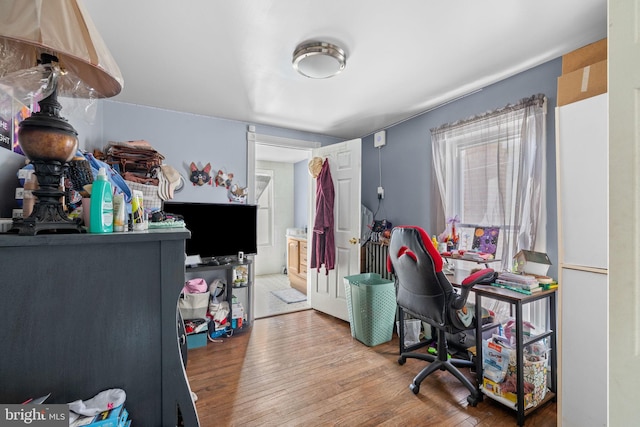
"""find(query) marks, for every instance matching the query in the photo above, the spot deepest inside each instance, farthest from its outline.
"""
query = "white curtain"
(489, 172)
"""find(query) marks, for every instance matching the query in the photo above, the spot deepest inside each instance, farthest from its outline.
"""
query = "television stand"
(211, 271)
(209, 261)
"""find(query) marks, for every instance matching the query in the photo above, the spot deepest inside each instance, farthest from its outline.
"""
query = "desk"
(516, 301)
(486, 262)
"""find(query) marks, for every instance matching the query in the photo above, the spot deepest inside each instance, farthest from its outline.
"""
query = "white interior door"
(624, 211)
(326, 290)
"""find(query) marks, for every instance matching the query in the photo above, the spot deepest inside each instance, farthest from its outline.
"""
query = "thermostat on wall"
(379, 139)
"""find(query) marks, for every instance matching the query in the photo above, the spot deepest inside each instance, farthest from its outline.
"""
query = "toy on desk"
(450, 236)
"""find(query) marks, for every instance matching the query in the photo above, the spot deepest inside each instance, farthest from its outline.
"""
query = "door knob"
(353, 240)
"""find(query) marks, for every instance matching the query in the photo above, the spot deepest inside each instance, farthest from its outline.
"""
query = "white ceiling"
(232, 59)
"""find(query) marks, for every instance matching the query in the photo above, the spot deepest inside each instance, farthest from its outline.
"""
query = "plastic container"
(137, 209)
(118, 213)
(101, 206)
(371, 302)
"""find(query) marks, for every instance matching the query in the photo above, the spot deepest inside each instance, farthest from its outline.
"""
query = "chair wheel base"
(473, 401)
(415, 388)
(401, 360)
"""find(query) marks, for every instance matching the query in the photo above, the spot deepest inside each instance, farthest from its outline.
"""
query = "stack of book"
(518, 282)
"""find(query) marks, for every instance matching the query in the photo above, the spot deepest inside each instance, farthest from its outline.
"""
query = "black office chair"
(424, 292)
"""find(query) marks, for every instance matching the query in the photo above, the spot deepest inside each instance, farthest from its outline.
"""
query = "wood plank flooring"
(305, 369)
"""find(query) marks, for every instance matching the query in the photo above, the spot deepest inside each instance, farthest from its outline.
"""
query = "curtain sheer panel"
(489, 172)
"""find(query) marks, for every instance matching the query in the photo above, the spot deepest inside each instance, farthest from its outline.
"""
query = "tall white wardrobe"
(582, 179)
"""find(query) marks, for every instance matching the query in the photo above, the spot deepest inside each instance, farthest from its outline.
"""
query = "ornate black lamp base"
(48, 214)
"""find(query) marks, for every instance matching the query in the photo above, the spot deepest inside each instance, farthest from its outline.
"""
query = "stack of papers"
(518, 282)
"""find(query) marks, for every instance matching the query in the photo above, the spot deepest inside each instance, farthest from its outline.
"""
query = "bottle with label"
(101, 211)
(118, 213)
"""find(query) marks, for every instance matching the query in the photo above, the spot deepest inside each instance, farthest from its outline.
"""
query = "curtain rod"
(538, 99)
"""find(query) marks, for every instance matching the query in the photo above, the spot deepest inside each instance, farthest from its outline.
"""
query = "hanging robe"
(323, 249)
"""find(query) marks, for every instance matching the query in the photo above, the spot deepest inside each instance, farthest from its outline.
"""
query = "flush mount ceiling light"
(319, 60)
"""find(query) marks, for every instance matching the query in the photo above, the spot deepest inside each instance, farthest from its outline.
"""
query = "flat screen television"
(218, 230)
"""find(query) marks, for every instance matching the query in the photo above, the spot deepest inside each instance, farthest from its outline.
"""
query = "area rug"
(290, 295)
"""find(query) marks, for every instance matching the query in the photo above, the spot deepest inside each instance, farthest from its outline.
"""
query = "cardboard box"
(587, 55)
(583, 83)
(237, 311)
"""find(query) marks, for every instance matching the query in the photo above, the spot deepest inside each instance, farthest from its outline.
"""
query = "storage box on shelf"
(500, 375)
(197, 340)
(584, 73)
(586, 55)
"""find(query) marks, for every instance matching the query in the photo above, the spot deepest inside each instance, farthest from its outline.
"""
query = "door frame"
(253, 139)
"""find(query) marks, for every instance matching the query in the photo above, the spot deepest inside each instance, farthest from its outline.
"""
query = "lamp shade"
(64, 29)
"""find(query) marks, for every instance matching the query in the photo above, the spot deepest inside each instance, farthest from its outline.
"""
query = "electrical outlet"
(380, 193)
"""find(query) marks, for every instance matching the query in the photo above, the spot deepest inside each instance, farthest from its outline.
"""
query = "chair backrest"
(422, 288)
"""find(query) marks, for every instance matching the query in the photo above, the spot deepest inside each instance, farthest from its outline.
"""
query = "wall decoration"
(237, 194)
(200, 176)
(224, 179)
(485, 239)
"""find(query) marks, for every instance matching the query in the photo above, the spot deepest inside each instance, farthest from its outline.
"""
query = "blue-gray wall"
(301, 194)
(406, 158)
(407, 161)
(184, 138)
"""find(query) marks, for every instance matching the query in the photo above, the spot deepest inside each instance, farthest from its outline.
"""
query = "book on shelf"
(527, 286)
(516, 288)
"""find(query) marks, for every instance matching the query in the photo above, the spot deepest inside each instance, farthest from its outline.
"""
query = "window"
(489, 173)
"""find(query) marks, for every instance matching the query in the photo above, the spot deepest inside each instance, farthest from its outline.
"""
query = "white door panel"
(624, 212)
(326, 289)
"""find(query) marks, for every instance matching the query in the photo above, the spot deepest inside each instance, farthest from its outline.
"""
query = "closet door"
(582, 178)
(582, 173)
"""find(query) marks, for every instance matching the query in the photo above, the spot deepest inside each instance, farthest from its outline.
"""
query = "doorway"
(281, 192)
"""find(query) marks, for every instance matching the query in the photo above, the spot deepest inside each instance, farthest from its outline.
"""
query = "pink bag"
(195, 286)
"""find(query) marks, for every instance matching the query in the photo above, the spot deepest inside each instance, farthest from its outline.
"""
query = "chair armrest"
(481, 277)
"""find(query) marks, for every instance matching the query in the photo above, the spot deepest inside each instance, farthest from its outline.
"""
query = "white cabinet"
(584, 350)
(582, 174)
(583, 180)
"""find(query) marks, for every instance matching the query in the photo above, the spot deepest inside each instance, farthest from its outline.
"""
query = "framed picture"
(485, 239)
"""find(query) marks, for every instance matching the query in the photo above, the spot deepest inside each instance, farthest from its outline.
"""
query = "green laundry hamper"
(371, 301)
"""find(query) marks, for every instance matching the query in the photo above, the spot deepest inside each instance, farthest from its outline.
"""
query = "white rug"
(290, 295)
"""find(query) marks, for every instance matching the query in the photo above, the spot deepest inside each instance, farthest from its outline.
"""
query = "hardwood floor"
(305, 369)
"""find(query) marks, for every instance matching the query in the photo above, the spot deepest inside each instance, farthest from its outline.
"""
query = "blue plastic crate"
(196, 340)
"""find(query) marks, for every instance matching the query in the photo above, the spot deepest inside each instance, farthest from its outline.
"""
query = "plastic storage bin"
(371, 301)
